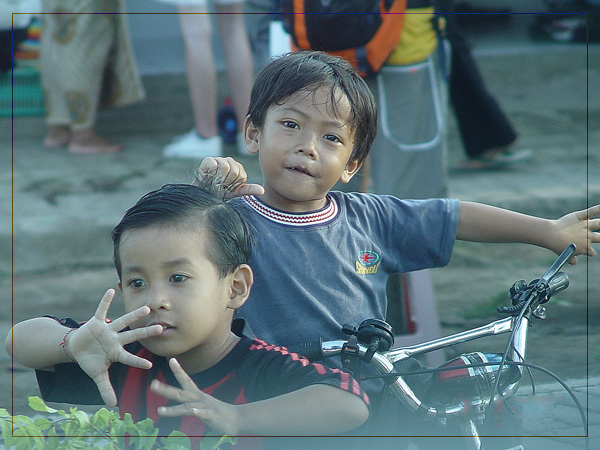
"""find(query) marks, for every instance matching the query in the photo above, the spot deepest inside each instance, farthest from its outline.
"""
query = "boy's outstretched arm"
(314, 410)
(41, 343)
(226, 175)
(483, 223)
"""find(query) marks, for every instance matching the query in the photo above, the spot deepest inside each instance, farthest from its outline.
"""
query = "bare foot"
(57, 136)
(87, 142)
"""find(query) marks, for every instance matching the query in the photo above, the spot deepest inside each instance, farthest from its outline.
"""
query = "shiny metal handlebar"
(383, 362)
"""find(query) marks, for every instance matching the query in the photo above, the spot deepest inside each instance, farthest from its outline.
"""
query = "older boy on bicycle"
(323, 257)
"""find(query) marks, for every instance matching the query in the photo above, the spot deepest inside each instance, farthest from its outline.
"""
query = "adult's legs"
(238, 56)
(74, 53)
(200, 67)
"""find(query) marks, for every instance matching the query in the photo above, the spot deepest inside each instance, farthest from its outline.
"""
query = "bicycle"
(459, 395)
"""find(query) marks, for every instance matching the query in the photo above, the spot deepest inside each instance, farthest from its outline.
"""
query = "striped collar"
(325, 215)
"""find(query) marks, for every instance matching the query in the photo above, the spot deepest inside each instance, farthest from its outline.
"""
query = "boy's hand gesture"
(97, 344)
(580, 229)
(227, 176)
(221, 417)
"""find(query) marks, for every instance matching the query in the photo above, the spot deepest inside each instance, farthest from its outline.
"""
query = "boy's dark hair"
(309, 71)
(231, 238)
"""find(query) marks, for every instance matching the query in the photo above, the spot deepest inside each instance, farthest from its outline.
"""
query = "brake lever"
(536, 294)
(557, 265)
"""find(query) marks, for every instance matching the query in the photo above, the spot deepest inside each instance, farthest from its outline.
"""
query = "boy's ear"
(251, 136)
(120, 285)
(241, 282)
(350, 170)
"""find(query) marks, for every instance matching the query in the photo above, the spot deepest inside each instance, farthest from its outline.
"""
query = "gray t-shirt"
(316, 271)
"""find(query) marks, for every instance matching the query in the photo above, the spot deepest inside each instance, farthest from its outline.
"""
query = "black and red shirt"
(252, 371)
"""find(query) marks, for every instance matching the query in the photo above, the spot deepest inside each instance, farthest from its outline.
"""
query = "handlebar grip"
(313, 351)
(558, 283)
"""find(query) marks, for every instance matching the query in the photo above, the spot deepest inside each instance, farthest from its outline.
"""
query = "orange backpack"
(364, 32)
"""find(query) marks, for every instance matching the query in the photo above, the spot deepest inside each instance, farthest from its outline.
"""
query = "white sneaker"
(241, 145)
(192, 146)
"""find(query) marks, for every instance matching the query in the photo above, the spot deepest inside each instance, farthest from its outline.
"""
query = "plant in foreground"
(75, 429)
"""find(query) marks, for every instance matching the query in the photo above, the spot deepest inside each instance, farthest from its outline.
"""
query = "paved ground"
(57, 209)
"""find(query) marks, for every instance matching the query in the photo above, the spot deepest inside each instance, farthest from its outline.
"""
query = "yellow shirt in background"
(418, 39)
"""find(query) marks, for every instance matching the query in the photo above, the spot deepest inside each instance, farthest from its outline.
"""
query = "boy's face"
(304, 149)
(167, 269)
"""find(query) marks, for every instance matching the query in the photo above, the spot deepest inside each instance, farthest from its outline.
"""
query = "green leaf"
(101, 419)
(212, 441)
(82, 418)
(7, 433)
(42, 423)
(52, 442)
(177, 440)
(37, 404)
(22, 440)
(29, 438)
(22, 420)
(143, 441)
(146, 426)
(127, 420)
(75, 443)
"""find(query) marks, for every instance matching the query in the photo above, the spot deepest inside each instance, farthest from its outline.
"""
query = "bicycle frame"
(383, 362)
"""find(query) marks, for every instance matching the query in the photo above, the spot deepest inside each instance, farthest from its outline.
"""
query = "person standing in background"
(487, 135)
(86, 63)
(203, 140)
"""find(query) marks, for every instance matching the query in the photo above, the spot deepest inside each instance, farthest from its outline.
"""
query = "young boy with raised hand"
(177, 355)
(323, 257)
(312, 121)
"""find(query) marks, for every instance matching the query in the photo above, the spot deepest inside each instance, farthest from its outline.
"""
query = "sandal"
(496, 160)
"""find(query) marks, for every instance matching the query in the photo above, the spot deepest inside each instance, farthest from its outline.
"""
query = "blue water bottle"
(227, 122)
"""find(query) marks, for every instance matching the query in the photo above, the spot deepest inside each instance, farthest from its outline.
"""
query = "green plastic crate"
(21, 93)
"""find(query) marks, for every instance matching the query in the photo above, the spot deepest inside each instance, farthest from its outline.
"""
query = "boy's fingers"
(104, 304)
(105, 388)
(127, 319)
(208, 165)
(250, 189)
(588, 213)
(184, 409)
(173, 393)
(129, 336)
(182, 377)
(593, 211)
(163, 389)
(188, 402)
(133, 361)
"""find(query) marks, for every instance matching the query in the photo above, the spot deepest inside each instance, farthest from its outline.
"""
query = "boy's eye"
(137, 283)
(178, 278)
(332, 138)
(289, 124)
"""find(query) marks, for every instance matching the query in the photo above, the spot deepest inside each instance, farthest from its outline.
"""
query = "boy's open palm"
(221, 417)
(98, 343)
(227, 176)
(580, 229)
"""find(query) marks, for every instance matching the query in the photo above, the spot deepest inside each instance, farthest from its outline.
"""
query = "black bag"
(364, 32)
(336, 24)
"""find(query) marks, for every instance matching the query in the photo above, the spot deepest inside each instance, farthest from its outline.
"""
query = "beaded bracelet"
(63, 344)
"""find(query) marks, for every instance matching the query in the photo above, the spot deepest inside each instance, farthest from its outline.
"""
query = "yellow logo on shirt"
(367, 262)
